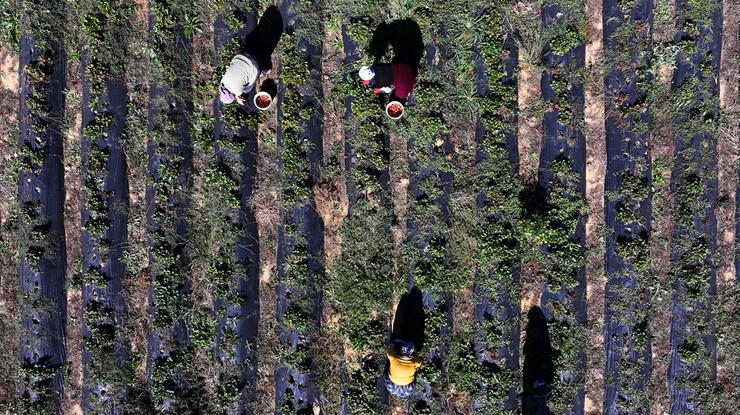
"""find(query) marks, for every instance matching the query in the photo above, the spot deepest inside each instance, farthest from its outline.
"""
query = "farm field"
(562, 189)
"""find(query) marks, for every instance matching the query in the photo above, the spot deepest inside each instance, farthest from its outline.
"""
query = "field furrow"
(728, 154)
(9, 321)
(662, 221)
(595, 175)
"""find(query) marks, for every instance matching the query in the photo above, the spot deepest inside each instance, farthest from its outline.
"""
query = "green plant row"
(222, 223)
(563, 266)
(299, 272)
(170, 364)
(555, 227)
(428, 253)
(629, 302)
(361, 285)
(696, 119)
(497, 255)
(566, 33)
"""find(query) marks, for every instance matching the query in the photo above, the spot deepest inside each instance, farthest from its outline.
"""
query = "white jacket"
(241, 75)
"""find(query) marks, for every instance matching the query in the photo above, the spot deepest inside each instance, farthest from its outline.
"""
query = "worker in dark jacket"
(398, 78)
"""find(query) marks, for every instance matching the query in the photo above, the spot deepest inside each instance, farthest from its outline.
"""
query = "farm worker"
(407, 338)
(398, 78)
(239, 79)
(400, 378)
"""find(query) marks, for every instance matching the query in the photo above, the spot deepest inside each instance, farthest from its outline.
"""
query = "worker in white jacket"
(239, 79)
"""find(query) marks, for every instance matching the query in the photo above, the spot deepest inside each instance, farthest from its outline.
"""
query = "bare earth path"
(728, 145)
(595, 171)
(72, 228)
(662, 150)
(529, 137)
(8, 187)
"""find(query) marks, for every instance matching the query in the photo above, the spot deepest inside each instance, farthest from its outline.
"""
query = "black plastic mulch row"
(627, 158)
(302, 232)
(424, 241)
(170, 155)
(247, 252)
(564, 141)
(104, 236)
(502, 308)
(695, 164)
(41, 200)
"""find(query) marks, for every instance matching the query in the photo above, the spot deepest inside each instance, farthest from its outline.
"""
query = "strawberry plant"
(104, 202)
(557, 228)
(361, 285)
(170, 159)
(300, 272)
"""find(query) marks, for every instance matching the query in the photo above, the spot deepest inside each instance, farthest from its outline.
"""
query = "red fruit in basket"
(263, 101)
(395, 110)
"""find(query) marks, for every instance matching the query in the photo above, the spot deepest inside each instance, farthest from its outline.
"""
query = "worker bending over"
(254, 60)
(398, 78)
(239, 79)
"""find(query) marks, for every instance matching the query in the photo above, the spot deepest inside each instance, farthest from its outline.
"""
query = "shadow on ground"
(538, 364)
(261, 42)
(404, 36)
(408, 324)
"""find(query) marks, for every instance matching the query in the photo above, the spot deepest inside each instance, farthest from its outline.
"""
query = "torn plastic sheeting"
(351, 51)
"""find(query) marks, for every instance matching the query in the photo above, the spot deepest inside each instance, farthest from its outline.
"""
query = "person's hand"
(240, 100)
